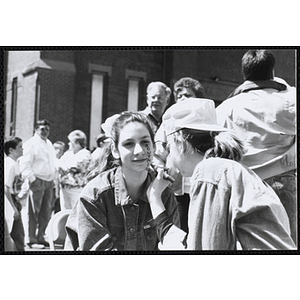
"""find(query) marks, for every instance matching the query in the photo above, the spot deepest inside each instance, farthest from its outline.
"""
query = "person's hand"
(158, 185)
(31, 183)
(289, 160)
(20, 197)
(289, 157)
(154, 192)
(17, 215)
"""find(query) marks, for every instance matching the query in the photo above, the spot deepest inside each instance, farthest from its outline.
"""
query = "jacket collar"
(121, 194)
(258, 85)
(148, 113)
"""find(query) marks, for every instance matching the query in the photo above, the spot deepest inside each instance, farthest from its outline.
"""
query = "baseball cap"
(192, 113)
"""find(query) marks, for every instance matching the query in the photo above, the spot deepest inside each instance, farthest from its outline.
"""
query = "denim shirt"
(105, 217)
(231, 208)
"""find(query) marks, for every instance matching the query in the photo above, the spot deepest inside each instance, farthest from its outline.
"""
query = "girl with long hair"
(113, 212)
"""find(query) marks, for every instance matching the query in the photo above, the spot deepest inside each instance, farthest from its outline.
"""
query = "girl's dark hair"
(214, 144)
(125, 118)
(105, 159)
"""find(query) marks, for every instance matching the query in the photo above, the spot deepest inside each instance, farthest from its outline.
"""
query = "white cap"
(192, 113)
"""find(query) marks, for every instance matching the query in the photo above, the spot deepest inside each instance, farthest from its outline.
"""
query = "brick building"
(79, 89)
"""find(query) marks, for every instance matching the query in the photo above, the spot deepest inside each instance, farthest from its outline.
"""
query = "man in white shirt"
(158, 98)
(262, 113)
(38, 165)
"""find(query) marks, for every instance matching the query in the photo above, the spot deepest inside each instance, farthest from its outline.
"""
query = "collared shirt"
(105, 218)
(147, 112)
(38, 159)
(264, 119)
(231, 208)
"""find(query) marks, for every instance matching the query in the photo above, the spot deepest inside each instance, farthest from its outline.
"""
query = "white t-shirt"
(12, 179)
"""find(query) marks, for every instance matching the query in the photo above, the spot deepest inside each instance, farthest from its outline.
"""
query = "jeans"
(183, 202)
(284, 186)
(39, 209)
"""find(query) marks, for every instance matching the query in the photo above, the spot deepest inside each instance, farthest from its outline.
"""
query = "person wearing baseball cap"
(184, 88)
(231, 208)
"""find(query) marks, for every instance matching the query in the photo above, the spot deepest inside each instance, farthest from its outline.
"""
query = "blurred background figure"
(187, 87)
(103, 159)
(73, 168)
(38, 166)
(158, 98)
(14, 230)
(59, 147)
(101, 142)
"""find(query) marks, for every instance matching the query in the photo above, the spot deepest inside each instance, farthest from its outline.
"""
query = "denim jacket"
(105, 217)
(231, 208)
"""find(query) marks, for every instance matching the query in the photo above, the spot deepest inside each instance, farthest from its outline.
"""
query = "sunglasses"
(44, 128)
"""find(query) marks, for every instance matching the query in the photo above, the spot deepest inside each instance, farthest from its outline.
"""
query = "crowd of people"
(187, 176)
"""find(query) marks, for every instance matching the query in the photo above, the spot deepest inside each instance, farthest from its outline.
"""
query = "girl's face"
(135, 147)
(179, 160)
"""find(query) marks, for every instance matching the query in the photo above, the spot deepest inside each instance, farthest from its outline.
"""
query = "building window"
(98, 97)
(135, 96)
(13, 113)
(96, 107)
(37, 101)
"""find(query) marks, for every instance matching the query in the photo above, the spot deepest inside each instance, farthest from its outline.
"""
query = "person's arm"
(160, 155)
(170, 236)
(9, 178)
(154, 194)
(87, 228)
(8, 195)
(260, 220)
(22, 195)
(26, 162)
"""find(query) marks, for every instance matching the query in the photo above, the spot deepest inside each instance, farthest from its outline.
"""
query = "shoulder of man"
(31, 142)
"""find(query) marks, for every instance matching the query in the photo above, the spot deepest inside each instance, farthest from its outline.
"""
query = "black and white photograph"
(150, 150)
